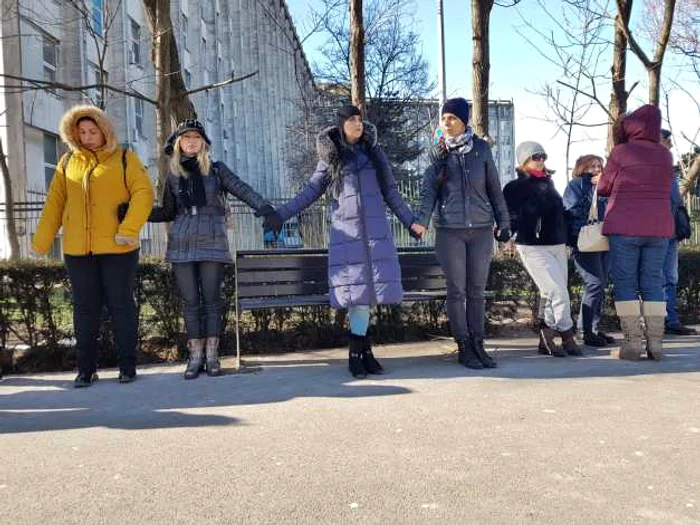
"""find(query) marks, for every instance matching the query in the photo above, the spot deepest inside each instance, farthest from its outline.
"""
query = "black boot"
(477, 343)
(372, 366)
(357, 367)
(466, 355)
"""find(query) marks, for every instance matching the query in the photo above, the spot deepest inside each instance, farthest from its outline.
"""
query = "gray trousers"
(465, 257)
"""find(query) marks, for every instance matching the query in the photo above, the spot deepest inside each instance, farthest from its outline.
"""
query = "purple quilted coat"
(363, 266)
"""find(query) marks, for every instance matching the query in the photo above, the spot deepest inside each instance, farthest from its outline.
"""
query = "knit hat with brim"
(182, 128)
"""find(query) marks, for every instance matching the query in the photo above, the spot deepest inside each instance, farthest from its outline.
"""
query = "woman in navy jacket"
(593, 267)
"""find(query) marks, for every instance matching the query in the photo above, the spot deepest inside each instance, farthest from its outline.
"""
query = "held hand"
(503, 235)
(123, 240)
(417, 231)
(273, 222)
(264, 210)
(594, 180)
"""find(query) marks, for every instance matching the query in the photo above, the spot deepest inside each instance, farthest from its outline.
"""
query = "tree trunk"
(174, 104)
(619, 94)
(9, 206)
(481, 65)
(357, 55)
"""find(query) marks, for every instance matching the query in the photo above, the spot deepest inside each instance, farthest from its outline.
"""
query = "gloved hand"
(121, 210)
(123, 240)
(438, 152)
(503, 235)
(264, 210)
(273, 222)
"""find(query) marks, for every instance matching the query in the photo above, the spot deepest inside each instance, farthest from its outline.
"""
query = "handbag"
(683, 228)
(591, 238)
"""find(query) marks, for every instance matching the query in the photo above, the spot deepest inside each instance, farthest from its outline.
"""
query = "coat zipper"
(364, 233)
(88, 218)
(460, 160)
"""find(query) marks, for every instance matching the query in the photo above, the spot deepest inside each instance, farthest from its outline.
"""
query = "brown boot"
(628, 312)
(547, 336)
(569, 343)
(654, 313)
(213, 365)
(194, 364)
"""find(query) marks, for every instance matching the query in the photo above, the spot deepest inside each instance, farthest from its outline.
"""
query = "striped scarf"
(461, 144)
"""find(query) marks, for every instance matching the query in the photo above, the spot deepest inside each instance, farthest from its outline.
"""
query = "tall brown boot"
(213, 365)
(194, 364)
(569, 343)
(654, 313)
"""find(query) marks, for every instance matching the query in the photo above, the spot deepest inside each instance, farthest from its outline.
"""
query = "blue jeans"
(671, 282)
(638, 267)
(594, 269)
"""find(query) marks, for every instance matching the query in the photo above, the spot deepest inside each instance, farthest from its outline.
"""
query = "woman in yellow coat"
(101, 254)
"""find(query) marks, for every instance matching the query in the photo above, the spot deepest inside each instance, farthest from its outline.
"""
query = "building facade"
(251, 123)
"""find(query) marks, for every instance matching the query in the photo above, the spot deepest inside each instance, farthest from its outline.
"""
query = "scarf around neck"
(192, 186)
(463, 143)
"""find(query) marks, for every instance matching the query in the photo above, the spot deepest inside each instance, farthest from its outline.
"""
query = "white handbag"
(591, 238)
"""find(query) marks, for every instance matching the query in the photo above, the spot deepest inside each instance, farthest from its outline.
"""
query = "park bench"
(286, 278)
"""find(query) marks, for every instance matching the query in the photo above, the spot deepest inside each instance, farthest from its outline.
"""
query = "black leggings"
(200, 288)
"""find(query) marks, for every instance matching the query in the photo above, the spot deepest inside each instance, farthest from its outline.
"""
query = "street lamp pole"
(441, 53)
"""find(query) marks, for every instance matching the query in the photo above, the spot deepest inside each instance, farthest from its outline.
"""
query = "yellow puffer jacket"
(84, 199)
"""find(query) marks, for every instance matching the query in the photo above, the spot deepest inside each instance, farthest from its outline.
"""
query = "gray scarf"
(461, 144)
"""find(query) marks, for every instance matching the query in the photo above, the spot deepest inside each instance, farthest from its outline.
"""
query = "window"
(135, 42)
(138, 115)
(98, 17)
(50, 157)
(183, 30)
(50, 58)
(188, 79)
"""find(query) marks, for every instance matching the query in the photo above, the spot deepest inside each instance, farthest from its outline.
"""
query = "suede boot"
(569, 343)
(628, 312)
(654, 314)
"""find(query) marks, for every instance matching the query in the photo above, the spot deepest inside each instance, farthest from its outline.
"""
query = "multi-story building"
(251, 123)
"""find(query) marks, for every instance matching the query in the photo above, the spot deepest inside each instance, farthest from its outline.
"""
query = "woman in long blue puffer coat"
(363, 266)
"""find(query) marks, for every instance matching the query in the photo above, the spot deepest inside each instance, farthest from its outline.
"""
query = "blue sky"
(517, 69)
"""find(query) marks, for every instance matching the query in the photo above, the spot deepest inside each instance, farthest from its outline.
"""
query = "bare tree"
(9, 206)
(576, 50)
(396, 74)
(357, 54)
(481, 61)
(653, 65)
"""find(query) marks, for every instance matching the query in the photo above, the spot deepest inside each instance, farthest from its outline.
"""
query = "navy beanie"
(345, 113)
(458, 107)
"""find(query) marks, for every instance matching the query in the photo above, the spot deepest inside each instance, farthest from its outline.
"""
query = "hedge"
(36, 314)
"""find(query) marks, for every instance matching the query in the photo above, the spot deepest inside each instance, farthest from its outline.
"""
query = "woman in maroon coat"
(638, 223)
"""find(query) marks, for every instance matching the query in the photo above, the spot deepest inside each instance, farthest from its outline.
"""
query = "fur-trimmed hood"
(68, 127)
(330, 142)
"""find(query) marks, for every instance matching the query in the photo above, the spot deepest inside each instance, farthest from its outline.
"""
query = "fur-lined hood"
(329, 142)
(69, 130)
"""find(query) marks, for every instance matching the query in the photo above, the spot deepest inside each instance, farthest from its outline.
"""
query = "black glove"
(121, 211)
(273, 222)
(264, 210)
(438, 152)
(503, 235)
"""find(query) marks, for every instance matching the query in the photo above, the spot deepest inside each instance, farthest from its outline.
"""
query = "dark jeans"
(200, 288)
(465, 257)
(97, 280)
(638, 267)
(671, 282)
(594, 268)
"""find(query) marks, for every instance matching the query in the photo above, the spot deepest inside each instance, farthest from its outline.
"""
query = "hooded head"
(642, 124)
(68, 128)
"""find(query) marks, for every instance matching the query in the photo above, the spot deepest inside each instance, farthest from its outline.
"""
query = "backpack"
(682, 220)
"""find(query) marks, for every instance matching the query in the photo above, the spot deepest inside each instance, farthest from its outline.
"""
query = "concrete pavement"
(297, 440)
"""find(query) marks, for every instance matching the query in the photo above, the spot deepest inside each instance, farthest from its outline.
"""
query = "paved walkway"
(538, 440)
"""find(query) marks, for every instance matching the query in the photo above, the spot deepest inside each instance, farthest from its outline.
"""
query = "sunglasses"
(539, 157)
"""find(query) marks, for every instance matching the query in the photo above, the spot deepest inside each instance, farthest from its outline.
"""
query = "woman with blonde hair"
(593, 267)
(537, 218)
(194, 198)
(101, 248)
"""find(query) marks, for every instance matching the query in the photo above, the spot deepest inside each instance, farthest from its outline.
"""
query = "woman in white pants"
(537, 219)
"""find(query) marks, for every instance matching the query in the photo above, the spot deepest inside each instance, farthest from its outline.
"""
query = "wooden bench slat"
(274, 290)
(282, 276)
(282, 262)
